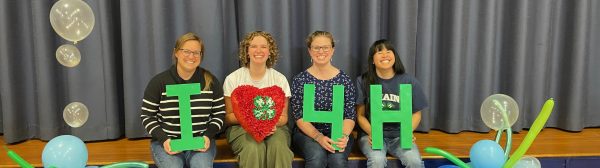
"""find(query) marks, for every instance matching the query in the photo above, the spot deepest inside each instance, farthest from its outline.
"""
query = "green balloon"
(18, 159)
(127, 165)
(448, 156)
(537, 126)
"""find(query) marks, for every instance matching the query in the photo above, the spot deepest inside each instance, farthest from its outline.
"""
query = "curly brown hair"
(244, 44)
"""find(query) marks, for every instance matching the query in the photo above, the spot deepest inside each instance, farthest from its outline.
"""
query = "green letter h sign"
(402, 116)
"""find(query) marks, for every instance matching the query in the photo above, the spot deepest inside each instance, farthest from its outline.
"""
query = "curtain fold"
(461, 51)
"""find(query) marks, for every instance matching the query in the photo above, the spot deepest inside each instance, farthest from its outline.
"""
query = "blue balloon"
(487, 154)
(65, 151)
(449, 166)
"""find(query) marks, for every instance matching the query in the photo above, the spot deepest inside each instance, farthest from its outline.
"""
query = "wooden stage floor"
(549, 143)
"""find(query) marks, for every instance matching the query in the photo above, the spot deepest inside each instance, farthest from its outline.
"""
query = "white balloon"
(73, 20)
(528, 162)
(68, 55)
(75, 114)
(493, 107)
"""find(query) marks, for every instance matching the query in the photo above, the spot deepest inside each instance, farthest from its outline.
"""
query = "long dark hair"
(370, 77)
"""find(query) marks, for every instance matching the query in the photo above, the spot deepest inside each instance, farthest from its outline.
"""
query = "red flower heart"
(254, 109)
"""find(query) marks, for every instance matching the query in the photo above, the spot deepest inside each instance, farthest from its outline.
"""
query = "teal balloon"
(449, 166)
(487, 154)
(65, 151)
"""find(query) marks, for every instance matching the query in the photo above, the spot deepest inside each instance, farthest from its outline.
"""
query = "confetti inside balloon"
(75, 114)
(493, 107)
(73, 20)
(68, 55)
(528, 162)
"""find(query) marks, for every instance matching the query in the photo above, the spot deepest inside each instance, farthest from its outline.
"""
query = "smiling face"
(321, 50)
(189, 55)
(384, 59)
(258, 50)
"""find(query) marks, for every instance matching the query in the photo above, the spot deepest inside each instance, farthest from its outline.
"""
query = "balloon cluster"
(67, 151)
(73, 20)
(499, 112)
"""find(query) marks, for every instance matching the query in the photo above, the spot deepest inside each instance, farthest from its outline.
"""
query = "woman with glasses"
(312, 140)
(258, 54)
(160, 113)
(386, 69)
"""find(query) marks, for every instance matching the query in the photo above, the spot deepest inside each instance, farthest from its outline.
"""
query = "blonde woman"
(160, 114)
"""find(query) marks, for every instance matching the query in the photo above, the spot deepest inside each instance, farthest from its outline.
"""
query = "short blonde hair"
(244, 44)
(316, 34)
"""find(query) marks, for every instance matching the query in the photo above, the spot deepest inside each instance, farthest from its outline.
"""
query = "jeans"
(410, 158)
(193, 159)
(317, 157)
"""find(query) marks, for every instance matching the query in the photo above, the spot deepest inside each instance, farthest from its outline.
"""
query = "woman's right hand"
(326, 143)
(167, 147)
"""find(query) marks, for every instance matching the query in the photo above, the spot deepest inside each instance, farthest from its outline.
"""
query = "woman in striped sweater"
(160, 113)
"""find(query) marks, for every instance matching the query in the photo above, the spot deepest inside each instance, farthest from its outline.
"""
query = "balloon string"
(508, 130)
(498, 136)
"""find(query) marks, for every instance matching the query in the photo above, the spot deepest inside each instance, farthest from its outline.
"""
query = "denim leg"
(410, 158)
(314, 155)
(203, 159)
(162, 159)
(376, 158)
(340, 159)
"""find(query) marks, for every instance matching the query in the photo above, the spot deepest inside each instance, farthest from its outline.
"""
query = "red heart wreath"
(257, 110)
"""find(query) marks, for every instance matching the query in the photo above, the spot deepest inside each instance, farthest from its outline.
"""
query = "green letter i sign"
(183, 93)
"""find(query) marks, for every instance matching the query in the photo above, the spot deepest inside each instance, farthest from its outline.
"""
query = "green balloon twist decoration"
(447, 155)
(507, 127)
(18, 159)
(537, 126)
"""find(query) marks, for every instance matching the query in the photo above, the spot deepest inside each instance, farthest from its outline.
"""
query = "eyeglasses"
(322, 48)
(188, 53)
